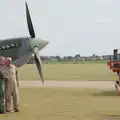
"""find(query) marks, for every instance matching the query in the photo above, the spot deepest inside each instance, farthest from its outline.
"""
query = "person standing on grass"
(12, 85)
(3, 79)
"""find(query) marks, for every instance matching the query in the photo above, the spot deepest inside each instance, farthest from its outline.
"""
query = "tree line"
(76, 57)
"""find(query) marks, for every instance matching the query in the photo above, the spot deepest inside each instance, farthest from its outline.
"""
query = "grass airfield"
(67, 103)
(67, 72)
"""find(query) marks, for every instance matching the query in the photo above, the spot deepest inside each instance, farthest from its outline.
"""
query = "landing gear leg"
(117, 83)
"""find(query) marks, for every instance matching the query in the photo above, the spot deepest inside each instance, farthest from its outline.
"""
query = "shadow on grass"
(107, 93)
(111, 117)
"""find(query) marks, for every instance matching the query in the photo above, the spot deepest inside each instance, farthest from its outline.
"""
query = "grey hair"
(9, 59)
(2, 58)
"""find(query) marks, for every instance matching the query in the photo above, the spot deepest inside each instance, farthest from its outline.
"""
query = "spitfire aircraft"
(21, 49)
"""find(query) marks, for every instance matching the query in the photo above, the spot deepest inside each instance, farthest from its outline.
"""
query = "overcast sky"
(71, 26)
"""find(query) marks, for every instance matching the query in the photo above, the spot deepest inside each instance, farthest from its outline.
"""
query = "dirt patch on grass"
(70, 84)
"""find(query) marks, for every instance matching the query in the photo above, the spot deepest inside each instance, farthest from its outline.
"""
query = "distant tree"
(64, 58)
(42, 58)
(93, 57)
(77, 56)
(57, 57)
(69, 57)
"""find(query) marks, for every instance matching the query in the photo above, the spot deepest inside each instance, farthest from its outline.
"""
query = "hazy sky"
(71, 26)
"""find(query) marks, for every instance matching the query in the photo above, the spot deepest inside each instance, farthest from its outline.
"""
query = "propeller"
(38, 63)
(29, 22)
(35, 49)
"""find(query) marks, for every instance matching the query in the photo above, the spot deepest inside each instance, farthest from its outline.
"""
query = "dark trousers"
(2, 96)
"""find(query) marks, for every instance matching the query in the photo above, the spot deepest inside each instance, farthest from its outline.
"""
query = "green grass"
(75, 62)
(65, 104)
(68, 72)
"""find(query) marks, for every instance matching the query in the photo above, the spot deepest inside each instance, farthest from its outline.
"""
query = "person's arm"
(5, 77)
(17, 77)
(3, 73)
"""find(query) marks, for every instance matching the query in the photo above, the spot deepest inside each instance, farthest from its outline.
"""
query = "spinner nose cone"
(40, 43)
(45, 42)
